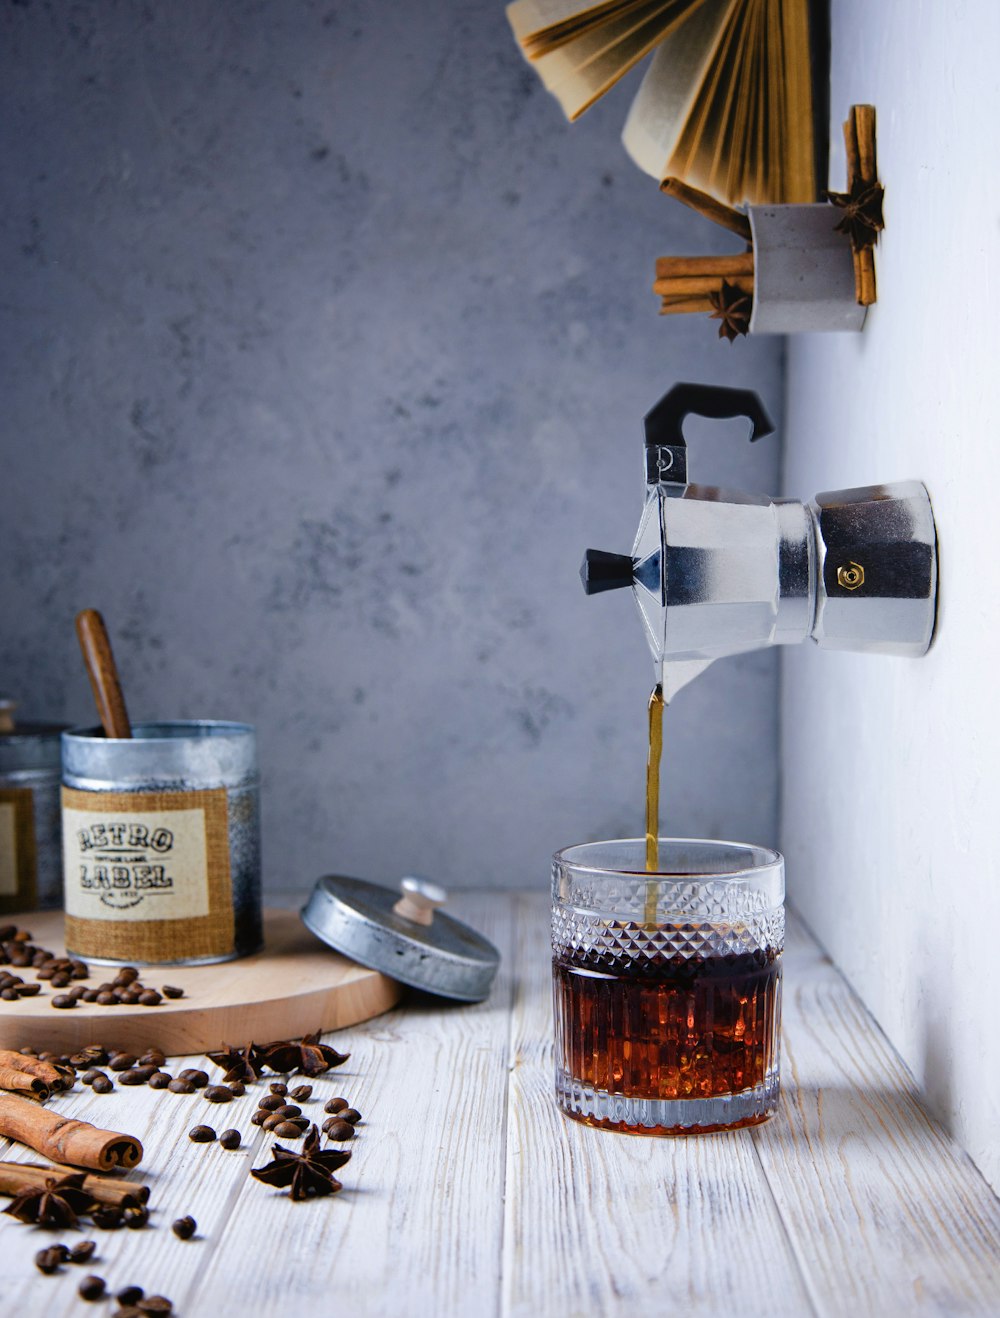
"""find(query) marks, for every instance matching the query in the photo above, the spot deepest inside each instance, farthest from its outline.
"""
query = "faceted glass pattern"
(667, 987)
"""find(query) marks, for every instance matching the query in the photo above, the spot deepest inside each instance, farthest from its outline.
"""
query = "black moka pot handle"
(664, 422)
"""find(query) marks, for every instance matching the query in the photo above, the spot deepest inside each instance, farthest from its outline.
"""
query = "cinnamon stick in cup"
(64, 1139)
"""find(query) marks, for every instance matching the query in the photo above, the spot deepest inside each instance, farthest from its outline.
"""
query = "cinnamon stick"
(20, 1082)
(851, 147)
(864, 277)
(853, 172)
(864, 136)
(670, 266)
(56, 1077)
(64, 1139)
(713, 210)
(679, 284)
(105, 1189)
(673, 306)
(864, 133)
(859, 144)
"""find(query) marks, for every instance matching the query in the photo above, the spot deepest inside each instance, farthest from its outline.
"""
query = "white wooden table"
(468, 1193)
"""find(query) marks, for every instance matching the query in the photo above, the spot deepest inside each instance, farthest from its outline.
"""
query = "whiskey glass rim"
(583, 859)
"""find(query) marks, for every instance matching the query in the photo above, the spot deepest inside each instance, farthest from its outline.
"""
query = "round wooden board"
(294, 986)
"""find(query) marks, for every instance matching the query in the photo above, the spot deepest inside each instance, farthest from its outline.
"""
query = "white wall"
(890, 806)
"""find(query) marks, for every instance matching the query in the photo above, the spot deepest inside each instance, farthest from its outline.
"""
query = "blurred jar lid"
(406, 937)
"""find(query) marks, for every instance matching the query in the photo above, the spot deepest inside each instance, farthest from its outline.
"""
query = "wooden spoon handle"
(96, 647)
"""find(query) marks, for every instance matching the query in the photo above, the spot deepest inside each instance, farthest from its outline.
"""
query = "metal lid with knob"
(405, 937)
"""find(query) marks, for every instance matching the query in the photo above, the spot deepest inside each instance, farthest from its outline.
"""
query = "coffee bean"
(106, 999)
(278, 1088)
(172, 991)
(156, 1304)
(288, 1130)
(135, 1075)
(185, 1227)
(122, 1061)
(128, 998)
(288, 1110)
(231, 1139)
(238, 1088)
(270, 1102)
(201, 1134)
(107, 1216)
(259, 1117)
(48, 1260)
(149, 998)
(91, 995)
(59, 981)
(128, 1311)
(137, 1217)
(127, 975)
(181, 1086)
(90, 1076)
(351, 1114)
(60, 1000)
(91, 1288)
(27, 990)
(83, 1252)
(338, 1129)
(198, 1078)
(98, 1055)
(152, 1057)
(102, 1084)
(159, 1079)
(80, 969)
(301, 1093)
(76, 992)
(219, 1094)
(335, 1105)
(129, 1295)
(271, 1122)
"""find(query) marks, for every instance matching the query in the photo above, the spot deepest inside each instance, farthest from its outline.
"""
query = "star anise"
(56, 1204)
(732, 307)
(309, 1056)
(239, 1063)
(862, 207)
(308, 1174)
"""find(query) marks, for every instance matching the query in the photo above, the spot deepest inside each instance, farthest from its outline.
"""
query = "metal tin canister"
(161, 843)
(30, 853)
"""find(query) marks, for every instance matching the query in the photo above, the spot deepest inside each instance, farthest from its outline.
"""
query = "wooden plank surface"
(885, 1213)
(468, 1193)
(602, 1223)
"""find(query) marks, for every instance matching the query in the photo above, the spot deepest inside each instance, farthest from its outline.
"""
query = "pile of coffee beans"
(19, 952)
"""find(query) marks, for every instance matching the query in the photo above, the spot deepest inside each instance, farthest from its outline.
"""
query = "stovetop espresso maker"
(717, 572)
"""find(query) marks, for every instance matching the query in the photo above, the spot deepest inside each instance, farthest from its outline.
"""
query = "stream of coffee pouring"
(656, 707)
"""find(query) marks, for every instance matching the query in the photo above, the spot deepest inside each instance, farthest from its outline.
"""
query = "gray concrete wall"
(324, 347)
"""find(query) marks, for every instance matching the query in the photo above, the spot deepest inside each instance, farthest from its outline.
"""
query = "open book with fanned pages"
(727, 103)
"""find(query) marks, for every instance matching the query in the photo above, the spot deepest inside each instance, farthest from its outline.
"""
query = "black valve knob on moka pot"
(718, 572)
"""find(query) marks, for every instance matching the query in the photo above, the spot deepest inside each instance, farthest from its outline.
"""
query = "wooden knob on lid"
(420, 899)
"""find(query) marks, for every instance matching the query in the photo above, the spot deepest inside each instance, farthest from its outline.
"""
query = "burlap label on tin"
(147, 875)
(18, 860)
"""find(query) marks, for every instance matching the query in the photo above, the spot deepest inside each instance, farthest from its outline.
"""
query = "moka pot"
(717, 572)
